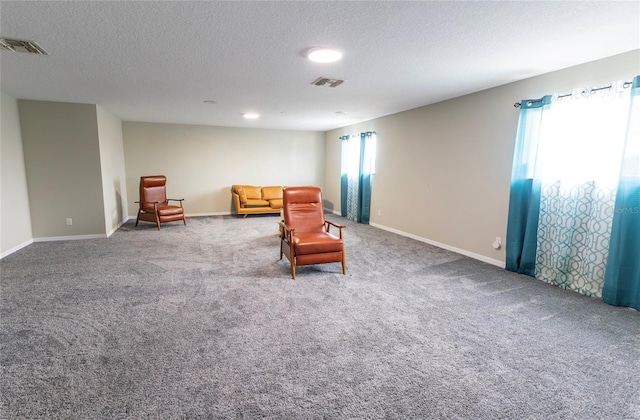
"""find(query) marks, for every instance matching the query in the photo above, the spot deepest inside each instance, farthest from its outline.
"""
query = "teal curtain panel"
(622, 280)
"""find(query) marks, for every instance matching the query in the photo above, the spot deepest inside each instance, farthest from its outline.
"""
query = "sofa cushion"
(253, 193)
(271, 193)
(276, 203)
(256, 203)
(242, 195)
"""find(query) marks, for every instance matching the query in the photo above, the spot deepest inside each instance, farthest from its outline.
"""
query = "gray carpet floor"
(203, 321)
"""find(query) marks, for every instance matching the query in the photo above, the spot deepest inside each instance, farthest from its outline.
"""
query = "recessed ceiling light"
(323, 55)
(251, 115)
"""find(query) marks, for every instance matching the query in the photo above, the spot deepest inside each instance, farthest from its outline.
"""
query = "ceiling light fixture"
(323, 55)
(251, 115)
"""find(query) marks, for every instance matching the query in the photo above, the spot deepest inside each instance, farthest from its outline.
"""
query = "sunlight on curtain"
(369, 158)
(565, 181)
(350, 176)
(582, 137)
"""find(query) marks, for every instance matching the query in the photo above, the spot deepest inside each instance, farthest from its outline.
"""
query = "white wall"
(114, 185)
(202, 162)
(62, 161)
(443, 171)
(15, 215)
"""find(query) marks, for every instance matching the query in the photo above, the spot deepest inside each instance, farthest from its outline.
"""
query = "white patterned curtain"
(573, 236)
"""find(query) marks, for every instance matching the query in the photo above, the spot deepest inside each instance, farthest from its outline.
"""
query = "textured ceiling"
(158, 61)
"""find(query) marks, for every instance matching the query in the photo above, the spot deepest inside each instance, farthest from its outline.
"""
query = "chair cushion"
(153, 181)
(169, 210)
(303, 209)
(316, 242)
(152, 189)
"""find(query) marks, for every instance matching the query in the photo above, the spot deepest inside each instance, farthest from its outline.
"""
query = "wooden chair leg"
(344, 263)
(157, 221)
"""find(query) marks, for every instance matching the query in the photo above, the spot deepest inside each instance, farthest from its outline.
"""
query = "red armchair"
(305, 235)
(154, 204)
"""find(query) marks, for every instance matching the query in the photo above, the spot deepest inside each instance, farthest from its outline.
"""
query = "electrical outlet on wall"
(69, 221)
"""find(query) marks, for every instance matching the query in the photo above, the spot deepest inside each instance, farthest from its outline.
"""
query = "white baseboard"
(117, 227)
(219, 213)
(58, 238)
(16, 248)
(70, 238)
(464, 252)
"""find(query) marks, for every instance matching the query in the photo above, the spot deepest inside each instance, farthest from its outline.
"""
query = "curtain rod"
(584, 91)
(357, 135)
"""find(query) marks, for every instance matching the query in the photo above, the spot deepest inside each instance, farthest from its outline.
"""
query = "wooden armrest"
(287, 231)
(147, 202)
(175, 199)
(336, 225)
(328, 225)
(286, 226)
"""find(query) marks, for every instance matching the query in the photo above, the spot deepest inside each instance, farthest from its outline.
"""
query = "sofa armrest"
(236, 201)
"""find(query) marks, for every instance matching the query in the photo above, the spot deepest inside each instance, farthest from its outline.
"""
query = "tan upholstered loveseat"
(250, 199)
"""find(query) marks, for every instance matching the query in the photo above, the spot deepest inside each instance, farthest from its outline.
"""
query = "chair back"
(153, 188)
(303, 208)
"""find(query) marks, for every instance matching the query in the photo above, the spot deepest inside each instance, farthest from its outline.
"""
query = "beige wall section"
(202, 162)
(443, 171)
(62, 160)
(114, 179)
(15, 217)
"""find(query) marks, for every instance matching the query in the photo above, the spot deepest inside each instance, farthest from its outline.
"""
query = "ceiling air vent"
(21, 45)
(323, 81)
